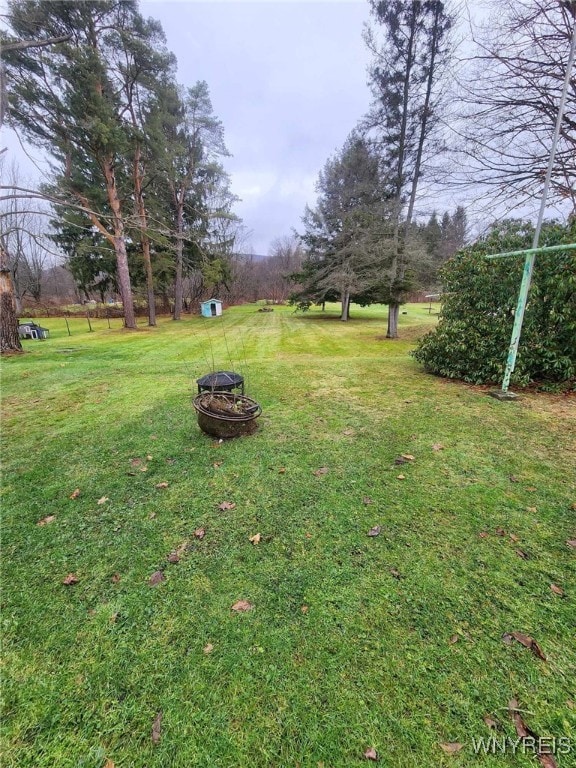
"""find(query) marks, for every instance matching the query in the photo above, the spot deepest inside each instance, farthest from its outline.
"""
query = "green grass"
(368, 662)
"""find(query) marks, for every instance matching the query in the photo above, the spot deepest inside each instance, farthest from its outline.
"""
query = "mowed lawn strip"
(391, 641)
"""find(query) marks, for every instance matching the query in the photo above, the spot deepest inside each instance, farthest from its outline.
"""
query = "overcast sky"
(288, 81)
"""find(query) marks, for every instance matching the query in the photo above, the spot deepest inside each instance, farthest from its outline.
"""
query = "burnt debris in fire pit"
(225, 414)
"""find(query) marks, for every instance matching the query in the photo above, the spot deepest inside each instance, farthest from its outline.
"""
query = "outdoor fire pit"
(225, 414)
(221, 381)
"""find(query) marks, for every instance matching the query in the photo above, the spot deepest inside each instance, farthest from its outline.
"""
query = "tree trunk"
(9, 339)
(120, 246)
(144, 239)
(345, 316)
(178, 288)
(393, 313)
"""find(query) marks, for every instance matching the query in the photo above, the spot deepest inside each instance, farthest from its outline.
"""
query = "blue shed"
(211, 308)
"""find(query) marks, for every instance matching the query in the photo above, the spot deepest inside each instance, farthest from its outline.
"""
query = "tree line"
(138, 189)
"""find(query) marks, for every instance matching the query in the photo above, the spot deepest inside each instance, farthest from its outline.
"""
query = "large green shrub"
(472, 337)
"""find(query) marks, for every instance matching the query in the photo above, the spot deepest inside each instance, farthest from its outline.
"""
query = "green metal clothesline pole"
(544, 249)
(531, 254)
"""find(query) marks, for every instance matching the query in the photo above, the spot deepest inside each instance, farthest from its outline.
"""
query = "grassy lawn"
(392, 642)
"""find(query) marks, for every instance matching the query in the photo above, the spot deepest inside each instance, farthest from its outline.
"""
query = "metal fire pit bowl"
(226, 425)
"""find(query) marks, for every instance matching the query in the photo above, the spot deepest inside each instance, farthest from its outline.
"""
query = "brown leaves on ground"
(115, 578)
(348, 431)
(217, 464)
(161, 486)
(453, 639)
(242, 605)
(103, 500)
(401, 477)
(404, 458)
(371, 754)
(109, 764)
(156, 727)
(490, 722)
(524, 640)
(176, 554)
(304, 609)
(451, 747)
(437, 447)
(557, 590)
(135, 462)
(46, 520)
(375, 531)
(156, 578)
(75, 494)
(208, 648)
(367, 500)
(225, 505)
(522, 554)
(523, 732)
(199, 533)
(70, 579)
(256, 539)
(395, 573)
(571, 543)
(320, 472)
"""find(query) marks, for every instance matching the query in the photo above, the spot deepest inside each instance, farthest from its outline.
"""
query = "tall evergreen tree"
(407, 67)
(346, 236)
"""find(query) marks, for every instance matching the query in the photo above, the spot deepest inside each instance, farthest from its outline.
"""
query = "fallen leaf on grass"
(75, 494)
(46, 520)
(557, 590)
(162, 485)
(573, 506)
(513, 537)
(242, 605)
(374, 531)
(153, 437)
(173, 557)
(524, 640)
(453, 639)
(571, 543)
(103, 500)
(408, 456)
(400, 460)
(152, 515)
(483, 534)
(500, 532)
(149, 458)
(320, 472)
(225, 505)
(156, 578)
(523, 732)
(109, 764)
(208, 648)
(282, 471)
(256, 538)
(308, 535)
(144, 469)
(135, 462)
(532, 510)
(367, 500)
(70, 579)
(514, 479)
(451, 747)
(395, 573)
(437, 447)
(199, 533)
(115, 578)
(522, 554)
(490, 722)
(217, 464)
(371, 754)
(156, 725)
(349, 431)
(531, 490)
(304, 609)
(401, 477)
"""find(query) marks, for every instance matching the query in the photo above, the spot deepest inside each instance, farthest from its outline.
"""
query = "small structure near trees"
(211, 308)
